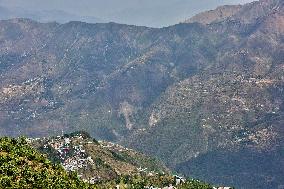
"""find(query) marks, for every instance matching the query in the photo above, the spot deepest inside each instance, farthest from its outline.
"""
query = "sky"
(153, 13)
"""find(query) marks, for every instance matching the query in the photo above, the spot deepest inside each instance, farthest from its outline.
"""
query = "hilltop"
(219, 14)
(95, 161)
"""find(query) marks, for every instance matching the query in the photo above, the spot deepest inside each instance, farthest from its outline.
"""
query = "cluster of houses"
(178, 181)
(71, 152)
(73, 156)
(113, 146)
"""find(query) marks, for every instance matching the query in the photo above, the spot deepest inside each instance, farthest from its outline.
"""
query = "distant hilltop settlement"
(69, 150)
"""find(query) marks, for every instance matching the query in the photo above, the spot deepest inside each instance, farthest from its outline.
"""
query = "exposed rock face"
(182, 93)
(127, 110)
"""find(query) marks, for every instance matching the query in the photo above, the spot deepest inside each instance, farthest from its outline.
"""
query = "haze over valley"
(157, 13)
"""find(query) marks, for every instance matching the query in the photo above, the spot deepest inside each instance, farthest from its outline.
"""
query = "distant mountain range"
(44, 16)
(158, 13)
(205, 96)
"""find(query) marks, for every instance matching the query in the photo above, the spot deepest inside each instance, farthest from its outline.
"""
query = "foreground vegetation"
(23, 167)
(157, 181)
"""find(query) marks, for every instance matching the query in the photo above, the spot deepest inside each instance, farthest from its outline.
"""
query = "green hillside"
(23, 167)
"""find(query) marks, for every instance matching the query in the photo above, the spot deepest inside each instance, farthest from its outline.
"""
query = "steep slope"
(233, 108)
(216, 15)
(247, 13)
(101, 76)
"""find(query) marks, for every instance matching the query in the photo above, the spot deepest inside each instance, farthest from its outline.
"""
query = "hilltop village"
(69, 152)
(73, 152)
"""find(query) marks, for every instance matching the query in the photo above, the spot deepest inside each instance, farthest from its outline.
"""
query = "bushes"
(160, 181)
(23, 167)
(194, 184)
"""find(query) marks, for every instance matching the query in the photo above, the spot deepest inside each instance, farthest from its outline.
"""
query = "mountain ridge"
(216, 15)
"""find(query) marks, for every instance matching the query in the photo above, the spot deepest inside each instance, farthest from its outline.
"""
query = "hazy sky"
(155, 13)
